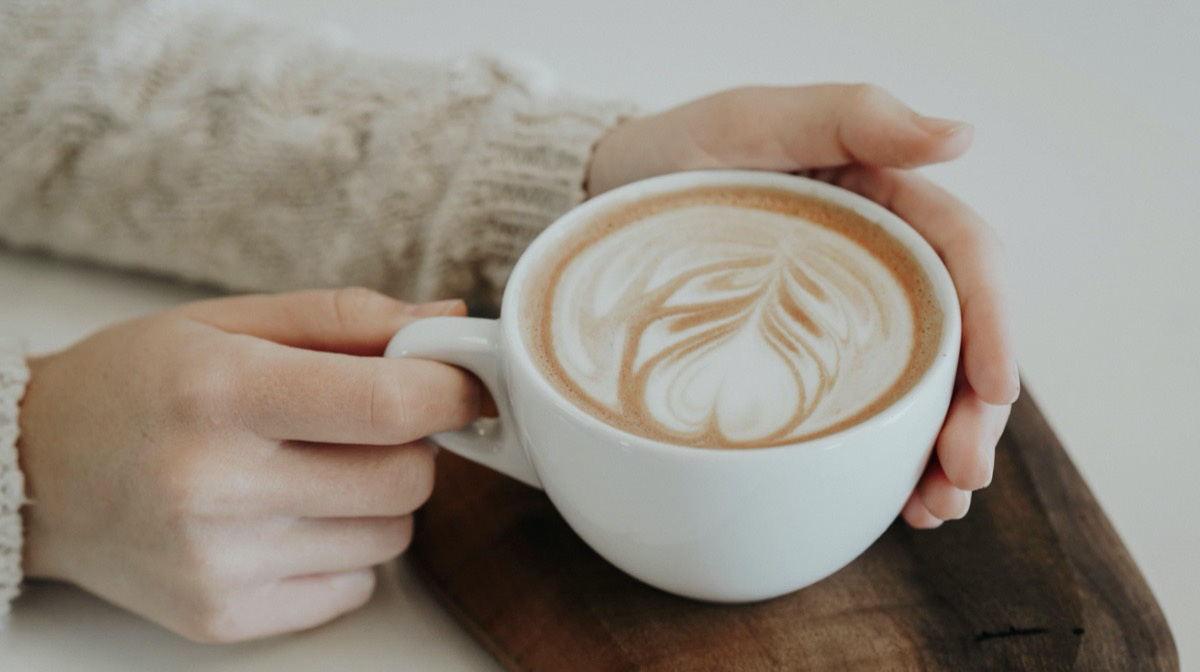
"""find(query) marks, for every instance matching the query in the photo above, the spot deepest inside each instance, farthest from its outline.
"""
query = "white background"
(1087, 160)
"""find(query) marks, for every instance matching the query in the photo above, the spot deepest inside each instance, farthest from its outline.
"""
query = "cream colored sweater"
(211, 145)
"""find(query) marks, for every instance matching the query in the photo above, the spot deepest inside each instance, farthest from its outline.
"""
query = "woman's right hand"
(234, 468)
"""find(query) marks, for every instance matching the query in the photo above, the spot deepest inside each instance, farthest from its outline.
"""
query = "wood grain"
(1035, 578)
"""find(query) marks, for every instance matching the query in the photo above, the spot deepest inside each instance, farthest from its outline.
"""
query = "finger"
(966, 447)
(332, 545)
(797, 128)
(288, 605)
(837, 124)
(939, 495)
(342, 481)
(916, 515)
(973, 256)
(351, 320)
(288, 393)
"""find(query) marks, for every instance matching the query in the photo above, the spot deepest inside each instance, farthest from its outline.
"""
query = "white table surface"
(1087, 160)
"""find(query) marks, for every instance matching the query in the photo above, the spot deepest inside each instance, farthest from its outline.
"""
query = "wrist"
(666, 142)
(635, 150)
(605, 168)
(32, 461)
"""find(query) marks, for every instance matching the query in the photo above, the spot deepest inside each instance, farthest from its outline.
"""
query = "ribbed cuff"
(14, 374)
(525, 165)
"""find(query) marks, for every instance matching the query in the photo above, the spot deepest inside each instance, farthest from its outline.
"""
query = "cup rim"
(517, 349)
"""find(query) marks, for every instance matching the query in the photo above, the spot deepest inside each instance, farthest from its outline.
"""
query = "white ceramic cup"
(711, 524)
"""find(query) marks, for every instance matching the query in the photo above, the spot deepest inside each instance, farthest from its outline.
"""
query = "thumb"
(351, 320)
(819, 126)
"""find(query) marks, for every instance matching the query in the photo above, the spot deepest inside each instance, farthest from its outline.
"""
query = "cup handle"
(473, 344)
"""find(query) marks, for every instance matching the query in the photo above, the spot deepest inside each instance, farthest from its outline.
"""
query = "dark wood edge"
(1117, 600)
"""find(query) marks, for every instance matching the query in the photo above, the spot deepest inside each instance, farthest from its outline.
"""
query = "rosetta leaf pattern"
(733, 339)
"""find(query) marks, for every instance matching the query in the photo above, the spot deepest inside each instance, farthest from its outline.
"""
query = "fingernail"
(964, 496)
(987, 453)
(437, 308)
(1015, 376)
(943, 127)
(991, 472)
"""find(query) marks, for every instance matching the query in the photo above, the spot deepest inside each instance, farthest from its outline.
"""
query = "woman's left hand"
(861, 138)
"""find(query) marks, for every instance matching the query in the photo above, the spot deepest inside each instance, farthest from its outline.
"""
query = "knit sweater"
(211, 145)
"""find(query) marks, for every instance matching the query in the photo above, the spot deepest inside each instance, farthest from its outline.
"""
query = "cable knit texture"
(13, 377)
(214, 145)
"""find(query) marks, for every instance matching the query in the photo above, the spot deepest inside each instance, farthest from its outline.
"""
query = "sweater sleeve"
(13, 376)
(212, 145)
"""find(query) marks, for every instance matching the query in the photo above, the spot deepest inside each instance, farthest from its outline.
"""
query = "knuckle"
(460, 398)
(963, 467)
(739, 97)
(391, 411)
(726, 110)
(403, 483)
(967, 243)
(200, 479)
(993, 241)
(960, 507)
(974, 476)
(429, 397)
(184, 487)
(358, 589)
(209, 571)
(412, 479)
(976, 232)
(399, 535)
(216, 623)
(938, 509)
(199, 390)
(349, 305)
(725, 100)
(213, 610)
(949, 505)
(934, 497)
(864, 95)
(977, 235)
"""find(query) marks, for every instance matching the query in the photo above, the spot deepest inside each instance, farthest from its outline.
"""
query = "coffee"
(731, 317)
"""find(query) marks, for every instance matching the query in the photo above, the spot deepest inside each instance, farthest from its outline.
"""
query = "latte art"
(706, 320)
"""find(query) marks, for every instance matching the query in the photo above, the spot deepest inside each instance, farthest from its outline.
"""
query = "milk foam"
(719, 325)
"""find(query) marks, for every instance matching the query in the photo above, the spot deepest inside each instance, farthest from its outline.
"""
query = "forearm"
(212, 146)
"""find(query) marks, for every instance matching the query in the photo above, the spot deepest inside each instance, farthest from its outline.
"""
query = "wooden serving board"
(1034, 578)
